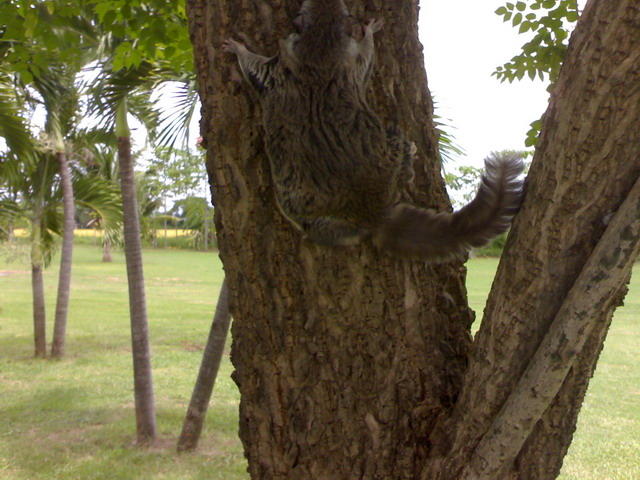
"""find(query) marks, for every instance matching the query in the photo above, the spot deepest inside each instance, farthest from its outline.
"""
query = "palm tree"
(115, 93)
(61, 52)
(37, 200)
(45, 221)
(28, 172)
(60, 98)
(143, 380)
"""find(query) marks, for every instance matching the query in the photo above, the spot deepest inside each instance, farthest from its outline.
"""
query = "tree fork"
(586, 163)
(605, 273)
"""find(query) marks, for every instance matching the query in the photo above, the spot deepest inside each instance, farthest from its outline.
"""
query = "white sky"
(464, 41)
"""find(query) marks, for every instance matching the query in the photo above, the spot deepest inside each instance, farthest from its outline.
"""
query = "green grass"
(74, 419)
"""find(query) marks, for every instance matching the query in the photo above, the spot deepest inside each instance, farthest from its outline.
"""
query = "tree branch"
(606, 271)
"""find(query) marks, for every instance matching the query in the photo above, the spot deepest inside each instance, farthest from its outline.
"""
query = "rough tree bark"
(66, 255)
(354, 365)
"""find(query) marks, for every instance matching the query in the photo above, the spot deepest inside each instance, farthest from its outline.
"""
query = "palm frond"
(13, 128)
(10, 210)
(447, 144)
(175, 120)
(111, 88)
(102, 197)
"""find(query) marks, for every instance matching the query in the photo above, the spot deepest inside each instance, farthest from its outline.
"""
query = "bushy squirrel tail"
(409, 231)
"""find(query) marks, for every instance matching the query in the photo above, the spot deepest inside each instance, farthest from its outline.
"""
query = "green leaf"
(169, 51)
(119, 30)
(572, 16)
(517, 19)
(118, 63)
(26, 77)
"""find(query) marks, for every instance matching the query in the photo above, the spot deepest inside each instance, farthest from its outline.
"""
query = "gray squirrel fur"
(337, 170)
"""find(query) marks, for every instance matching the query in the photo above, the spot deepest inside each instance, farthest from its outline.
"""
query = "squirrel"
(336, 169)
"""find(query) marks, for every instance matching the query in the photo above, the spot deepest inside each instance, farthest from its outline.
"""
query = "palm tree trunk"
(106, 251)
(206, 225)
(143, 381)
(64, 282)
(166, 242)
(37, 286)
(194, 420)
(206, 234)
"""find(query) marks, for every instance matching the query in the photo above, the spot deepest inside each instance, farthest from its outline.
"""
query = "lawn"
(74, 419)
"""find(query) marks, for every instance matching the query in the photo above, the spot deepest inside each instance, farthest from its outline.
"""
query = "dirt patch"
(192, 347)
(8, 273)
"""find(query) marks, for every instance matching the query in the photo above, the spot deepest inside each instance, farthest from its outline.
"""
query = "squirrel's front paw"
(372, 25)
(231, 46)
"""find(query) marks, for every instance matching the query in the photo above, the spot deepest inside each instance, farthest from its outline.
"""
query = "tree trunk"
(64, 281)
(353, 365)
(206, 226)
(194, 420)
(37, 287)
(143, 381)
(344, 357)
(166, 242)
(106, 251)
